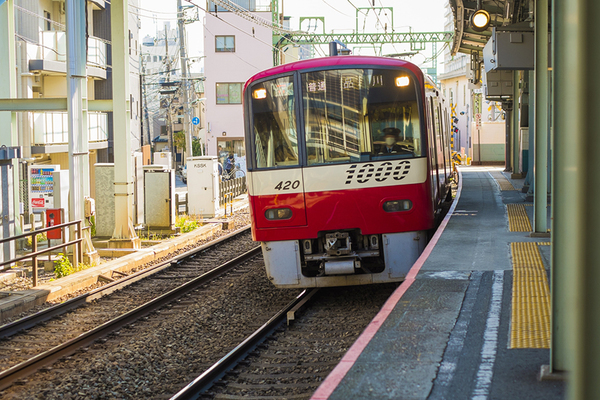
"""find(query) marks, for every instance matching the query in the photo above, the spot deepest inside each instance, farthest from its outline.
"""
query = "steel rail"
(49, 313)
(26, 368)
(202, 383)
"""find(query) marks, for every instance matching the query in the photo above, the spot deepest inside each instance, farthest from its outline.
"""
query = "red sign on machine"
(38, 203)
(54, 217)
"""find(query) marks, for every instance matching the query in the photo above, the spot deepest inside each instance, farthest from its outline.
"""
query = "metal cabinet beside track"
(203, 186)
(159, 192)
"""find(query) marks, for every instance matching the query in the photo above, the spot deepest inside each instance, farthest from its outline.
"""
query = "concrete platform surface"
(445, 333)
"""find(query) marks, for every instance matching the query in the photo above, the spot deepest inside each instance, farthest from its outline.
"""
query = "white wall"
(252, 54)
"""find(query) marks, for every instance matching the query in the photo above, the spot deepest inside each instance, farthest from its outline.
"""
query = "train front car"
(338, 174)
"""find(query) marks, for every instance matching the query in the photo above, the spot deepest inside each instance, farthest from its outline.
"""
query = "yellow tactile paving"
(518, 221)
(530, 324)
(531, 205)
(502, 181)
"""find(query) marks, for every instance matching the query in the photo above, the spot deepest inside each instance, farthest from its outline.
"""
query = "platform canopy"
(501, 12)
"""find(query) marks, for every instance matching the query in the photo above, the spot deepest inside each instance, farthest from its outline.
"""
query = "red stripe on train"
(342, 209)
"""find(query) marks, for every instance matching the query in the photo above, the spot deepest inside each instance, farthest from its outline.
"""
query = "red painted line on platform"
(339, 372)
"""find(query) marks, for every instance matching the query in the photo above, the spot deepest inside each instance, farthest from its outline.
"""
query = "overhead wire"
(23, 38)
(336, 9)
(242, 12)
(381, 23)
(26, 11)
(239, 29)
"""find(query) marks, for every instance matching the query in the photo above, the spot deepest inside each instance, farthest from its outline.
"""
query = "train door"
(433, 163)
(447, 148)
(441, 135)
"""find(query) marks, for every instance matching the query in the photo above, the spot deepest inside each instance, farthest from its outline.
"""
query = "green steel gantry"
(368, 38)
(417, 40)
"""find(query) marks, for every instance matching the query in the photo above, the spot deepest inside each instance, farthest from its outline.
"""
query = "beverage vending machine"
(41, 186)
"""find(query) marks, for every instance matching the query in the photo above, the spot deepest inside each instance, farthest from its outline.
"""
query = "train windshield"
(275, 135)
(360, 115)
(349, 115)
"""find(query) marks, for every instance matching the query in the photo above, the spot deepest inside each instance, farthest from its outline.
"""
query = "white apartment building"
(42, 73)
(235, 49)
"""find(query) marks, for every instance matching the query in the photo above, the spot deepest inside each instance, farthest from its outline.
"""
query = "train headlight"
(397, 205)
(402, 81)
(275, 214)
(260, 94)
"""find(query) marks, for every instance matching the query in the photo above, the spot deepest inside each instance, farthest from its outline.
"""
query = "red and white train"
(348, 163)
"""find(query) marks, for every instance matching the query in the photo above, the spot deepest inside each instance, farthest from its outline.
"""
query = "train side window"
(274, 119)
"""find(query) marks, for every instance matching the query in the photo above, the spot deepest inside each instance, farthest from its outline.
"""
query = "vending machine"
(41, 186)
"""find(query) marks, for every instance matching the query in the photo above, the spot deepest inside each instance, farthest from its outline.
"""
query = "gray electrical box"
(509, 50)
(499, 85)
(159, 193)
(203, 186)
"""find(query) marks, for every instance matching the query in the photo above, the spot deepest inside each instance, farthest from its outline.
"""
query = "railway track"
(42, 338)
(278, 362)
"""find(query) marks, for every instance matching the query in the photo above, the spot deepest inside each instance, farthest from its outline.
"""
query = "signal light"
(397, 205)
(480, 20)
(275, 214)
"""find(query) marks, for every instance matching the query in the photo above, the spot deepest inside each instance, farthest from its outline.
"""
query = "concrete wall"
(460, 96)
(252, 54)
(55, 86)
(491, 147)
(105, 199)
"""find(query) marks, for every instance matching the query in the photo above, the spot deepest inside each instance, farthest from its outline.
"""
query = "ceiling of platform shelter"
(502, 13)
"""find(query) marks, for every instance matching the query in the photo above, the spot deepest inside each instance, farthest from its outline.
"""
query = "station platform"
(15, 302)
(472, 319)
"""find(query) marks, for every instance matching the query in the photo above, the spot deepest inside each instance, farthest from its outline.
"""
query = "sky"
(340, 17)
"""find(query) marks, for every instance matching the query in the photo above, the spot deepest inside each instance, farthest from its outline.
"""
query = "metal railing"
(77, 252)
(52, 46)
(231, 189)
(53, 127)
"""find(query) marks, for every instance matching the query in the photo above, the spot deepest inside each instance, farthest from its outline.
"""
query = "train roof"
(337, 61)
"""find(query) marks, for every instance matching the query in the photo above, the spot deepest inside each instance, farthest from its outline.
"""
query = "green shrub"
(41, 237)
(185, 224)
(62, 266)
(93, 225)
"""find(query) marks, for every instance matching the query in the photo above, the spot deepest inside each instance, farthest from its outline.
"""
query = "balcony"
(51, 55)
(51, 131)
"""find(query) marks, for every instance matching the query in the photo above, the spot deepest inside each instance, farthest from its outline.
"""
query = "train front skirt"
(283, 261)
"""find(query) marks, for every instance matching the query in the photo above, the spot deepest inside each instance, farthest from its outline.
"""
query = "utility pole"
(169, 120)
(144, 96)
(184, 80)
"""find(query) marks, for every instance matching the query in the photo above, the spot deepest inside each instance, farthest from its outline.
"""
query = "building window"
(47, 20)
(224, 44)
(229, 93)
